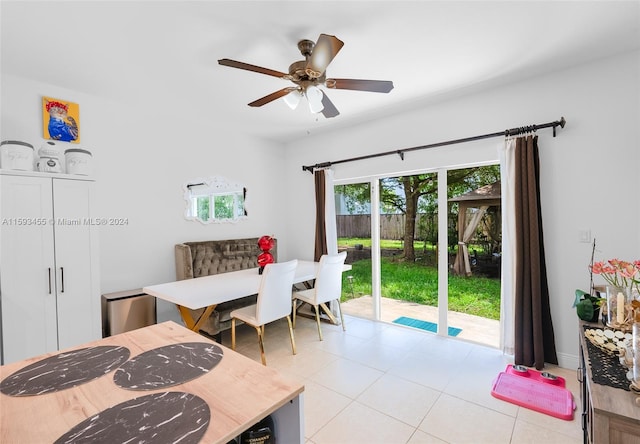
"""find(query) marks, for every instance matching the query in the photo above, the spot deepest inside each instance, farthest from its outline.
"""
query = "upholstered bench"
(196, 259)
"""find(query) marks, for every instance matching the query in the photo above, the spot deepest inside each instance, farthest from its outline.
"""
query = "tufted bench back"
(196, 259)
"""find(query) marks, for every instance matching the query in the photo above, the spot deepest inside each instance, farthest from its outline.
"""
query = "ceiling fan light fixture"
(310, 73)
(314, 97)
(293, 98)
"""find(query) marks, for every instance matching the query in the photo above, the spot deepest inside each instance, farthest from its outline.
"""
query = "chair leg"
(233, 333)
(293, 341)
(260, 331)
(318, 321)
(293, 308)
(341, 317)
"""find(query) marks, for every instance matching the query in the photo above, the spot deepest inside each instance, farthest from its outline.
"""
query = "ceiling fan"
(309, 74)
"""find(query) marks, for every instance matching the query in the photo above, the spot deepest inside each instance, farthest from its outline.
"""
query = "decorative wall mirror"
(215, 200)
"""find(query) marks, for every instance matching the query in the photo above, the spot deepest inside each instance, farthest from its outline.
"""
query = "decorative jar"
(49, 149)
(619, 309)
(49, 165)
(16, 155)
(265, 258)
(265, 243)
(78, 161)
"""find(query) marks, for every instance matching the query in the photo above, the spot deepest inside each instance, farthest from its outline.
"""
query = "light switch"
(584, 235)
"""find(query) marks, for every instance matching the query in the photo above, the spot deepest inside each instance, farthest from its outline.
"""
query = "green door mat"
(425, 325)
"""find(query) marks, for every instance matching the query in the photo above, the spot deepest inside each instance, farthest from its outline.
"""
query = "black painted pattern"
(169, 417)
(64, 370)
(168, 366)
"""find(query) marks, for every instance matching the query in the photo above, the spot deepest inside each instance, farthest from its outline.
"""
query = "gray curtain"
(534, 338)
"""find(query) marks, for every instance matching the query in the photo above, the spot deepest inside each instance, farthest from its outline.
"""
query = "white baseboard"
(568, 361)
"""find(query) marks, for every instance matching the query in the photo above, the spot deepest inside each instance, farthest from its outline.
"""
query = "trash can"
(127, 310)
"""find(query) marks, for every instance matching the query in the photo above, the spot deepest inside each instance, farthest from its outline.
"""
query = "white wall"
(590, 173)
(142, 157)
(143, 154)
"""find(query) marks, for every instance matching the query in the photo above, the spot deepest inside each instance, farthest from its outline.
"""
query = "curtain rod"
(505, 133)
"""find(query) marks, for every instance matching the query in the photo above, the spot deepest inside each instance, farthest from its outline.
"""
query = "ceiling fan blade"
(248, 67)
(329, 109)
(381, 86)
(323, 53)
(273, 96)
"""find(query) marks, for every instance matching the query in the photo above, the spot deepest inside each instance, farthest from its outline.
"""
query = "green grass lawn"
(418, 283)
(393, 243)
(384, 243)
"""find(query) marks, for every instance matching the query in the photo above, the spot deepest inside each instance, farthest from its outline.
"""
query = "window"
(215, 201)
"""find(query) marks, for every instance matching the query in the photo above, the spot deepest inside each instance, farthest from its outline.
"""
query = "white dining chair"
(328, 287)
(273, 303)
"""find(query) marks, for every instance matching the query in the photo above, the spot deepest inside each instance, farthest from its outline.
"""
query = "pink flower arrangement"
(618, 273)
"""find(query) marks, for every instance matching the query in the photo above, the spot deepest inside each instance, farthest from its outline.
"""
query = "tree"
(410, 195)
(420, 191)
(356, 197)
(203, 208)
(415, 187)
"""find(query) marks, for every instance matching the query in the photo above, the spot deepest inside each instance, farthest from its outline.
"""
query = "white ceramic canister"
(16, 155)
(78, 161)
(49, 165)
(49, 149)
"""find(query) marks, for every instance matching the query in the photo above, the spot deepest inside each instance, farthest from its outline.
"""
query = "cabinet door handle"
(62, 279)
(579, 374)
(49, 280)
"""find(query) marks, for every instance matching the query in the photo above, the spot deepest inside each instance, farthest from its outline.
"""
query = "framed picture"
(60, 120)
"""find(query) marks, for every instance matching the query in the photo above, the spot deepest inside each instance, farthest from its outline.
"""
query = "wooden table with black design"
(237, 392)
(609, 415)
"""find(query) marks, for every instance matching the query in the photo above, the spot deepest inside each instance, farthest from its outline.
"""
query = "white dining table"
(209, 291)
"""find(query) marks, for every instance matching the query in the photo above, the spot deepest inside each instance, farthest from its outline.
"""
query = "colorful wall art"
(60, 120)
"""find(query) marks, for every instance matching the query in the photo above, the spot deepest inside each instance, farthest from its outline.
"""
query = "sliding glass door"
(430, 258)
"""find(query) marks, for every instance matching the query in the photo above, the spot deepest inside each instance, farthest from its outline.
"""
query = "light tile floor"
(384, 383)
(474, 328)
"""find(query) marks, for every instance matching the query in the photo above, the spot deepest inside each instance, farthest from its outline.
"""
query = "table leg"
(192, 324)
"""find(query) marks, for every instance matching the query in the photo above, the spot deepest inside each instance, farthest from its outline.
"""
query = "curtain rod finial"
(562, 122)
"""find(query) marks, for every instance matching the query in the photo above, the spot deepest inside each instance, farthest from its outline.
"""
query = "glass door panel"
(353, 224)
(474, 253)
(408, 256)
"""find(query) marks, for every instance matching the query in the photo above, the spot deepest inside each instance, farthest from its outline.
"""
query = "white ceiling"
(164, 53)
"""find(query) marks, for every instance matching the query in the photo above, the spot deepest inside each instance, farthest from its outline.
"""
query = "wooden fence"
(391, 225)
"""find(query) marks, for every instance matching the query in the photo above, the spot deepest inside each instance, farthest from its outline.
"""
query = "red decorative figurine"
(265, 243)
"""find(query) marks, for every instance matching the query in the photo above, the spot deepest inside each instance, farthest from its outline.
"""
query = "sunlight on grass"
(417, 283)
(384, 243)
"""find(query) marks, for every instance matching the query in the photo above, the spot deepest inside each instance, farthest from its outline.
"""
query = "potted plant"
(587, 306)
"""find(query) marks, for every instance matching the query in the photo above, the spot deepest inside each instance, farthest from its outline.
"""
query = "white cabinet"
(49, 283)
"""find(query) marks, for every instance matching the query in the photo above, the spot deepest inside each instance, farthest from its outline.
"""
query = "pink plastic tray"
(541, 396)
